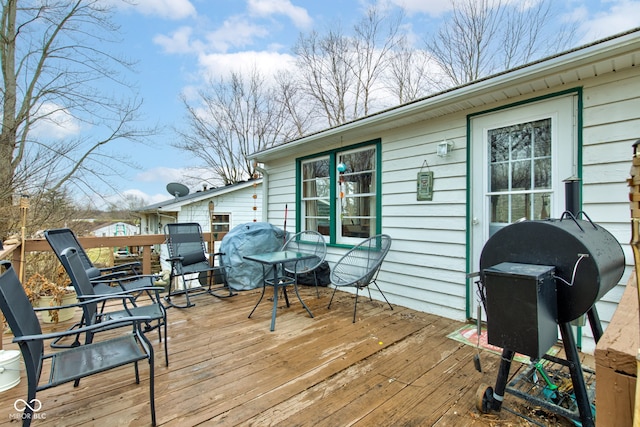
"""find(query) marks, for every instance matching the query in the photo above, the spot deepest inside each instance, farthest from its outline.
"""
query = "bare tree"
(481, 37)
(325, 64)
(340, 73)
(408, 77)
(54, 60)
(231, 119)
(373, 51)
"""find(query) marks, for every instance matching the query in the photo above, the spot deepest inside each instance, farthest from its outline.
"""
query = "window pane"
(316, 190)
(499, 143)
(357, 161)
(358, 183)
(542, 138)
(542, 171)
(521, 175)
(500, 208)
(220, 222)
(541, 206)
(499, 177)
(316, 168)
(318, 187)
(521, 142)
(357, 189)
(519, 206)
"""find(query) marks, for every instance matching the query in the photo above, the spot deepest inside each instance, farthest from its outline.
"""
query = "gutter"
(265, 190)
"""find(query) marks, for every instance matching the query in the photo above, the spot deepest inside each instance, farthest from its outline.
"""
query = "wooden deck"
(390, 368)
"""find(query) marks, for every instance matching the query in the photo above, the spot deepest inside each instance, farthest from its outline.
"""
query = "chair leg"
(167, 298)
(27, 415)
(383, 296)
(355, 305)
(315, 278)
(152, 402)
(166, 349)
(295, 287)
(335, 288)
(261, 296)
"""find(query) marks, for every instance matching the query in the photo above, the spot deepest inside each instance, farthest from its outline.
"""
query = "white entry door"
(519, 159)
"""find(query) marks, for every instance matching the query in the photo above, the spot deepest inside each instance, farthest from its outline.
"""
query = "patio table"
(273, 261)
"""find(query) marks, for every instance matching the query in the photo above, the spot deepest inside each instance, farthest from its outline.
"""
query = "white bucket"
(9, 369)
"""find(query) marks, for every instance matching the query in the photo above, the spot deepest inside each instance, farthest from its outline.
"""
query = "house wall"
(426, 266)
(238, 203)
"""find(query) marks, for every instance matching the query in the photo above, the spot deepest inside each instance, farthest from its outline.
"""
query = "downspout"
(265, 190)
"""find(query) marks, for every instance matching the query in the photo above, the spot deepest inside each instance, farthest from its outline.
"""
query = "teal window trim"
(333, 195)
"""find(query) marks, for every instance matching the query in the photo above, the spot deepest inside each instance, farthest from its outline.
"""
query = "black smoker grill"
(535, 276)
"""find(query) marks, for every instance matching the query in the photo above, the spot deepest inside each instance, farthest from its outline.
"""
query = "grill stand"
(490, 399)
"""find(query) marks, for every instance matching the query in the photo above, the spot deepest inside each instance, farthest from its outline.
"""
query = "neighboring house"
(232, 205)
(116, 229)
(513, 139)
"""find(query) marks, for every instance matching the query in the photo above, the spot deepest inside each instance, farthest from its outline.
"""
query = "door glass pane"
(519, 169)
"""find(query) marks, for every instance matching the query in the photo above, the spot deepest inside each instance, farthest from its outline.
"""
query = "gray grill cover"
(248, 239)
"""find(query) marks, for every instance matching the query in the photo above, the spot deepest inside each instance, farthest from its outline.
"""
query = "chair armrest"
(87, 299)
(123, 279)
(125, 266)
(133, 320)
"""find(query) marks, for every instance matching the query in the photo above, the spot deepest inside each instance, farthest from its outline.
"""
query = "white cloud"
(160, 174)
(268, 62)
(235, 32)
(430, 7)
(179, 41)
(620, 16)
(168, 9)
(56, 122)
(296, 14)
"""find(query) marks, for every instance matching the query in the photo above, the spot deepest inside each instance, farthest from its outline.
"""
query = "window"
(339, 193)
(220, 222)
(316, 191)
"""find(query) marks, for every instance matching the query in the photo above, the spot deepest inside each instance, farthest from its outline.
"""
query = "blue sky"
(177, 43)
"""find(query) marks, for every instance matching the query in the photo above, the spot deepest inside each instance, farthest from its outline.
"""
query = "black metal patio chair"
(189, 263)
(78, 362)
(359, 267)
(107, 280)
(155, 311)
(309, 242)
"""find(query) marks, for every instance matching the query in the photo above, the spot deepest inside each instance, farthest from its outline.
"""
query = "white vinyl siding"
(426, 267)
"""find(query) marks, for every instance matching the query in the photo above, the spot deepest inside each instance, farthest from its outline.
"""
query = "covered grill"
(535, 276)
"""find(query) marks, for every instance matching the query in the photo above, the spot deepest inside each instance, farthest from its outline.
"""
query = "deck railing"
(145, 242)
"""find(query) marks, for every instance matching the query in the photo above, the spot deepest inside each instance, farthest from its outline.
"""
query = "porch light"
(444, 148)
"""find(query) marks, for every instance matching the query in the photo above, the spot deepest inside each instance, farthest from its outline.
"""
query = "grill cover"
(560, 243)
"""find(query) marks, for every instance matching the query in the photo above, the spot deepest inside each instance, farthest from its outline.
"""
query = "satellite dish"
(178, 190)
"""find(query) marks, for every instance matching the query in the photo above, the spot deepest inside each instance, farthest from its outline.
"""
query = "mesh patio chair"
(92, 315)
(309, 242)
(189, 262)
(359, 267)
(73, 364)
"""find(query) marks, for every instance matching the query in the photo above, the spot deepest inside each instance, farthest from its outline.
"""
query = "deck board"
(391, 367)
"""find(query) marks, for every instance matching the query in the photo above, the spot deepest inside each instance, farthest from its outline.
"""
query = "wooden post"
(634, 200)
